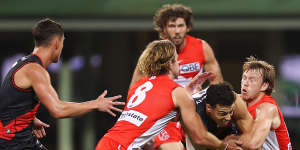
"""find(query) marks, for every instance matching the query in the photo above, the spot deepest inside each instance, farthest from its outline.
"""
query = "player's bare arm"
(242, 116)
(211, 64)
(35, 76)
(192, 121)
(267, 118)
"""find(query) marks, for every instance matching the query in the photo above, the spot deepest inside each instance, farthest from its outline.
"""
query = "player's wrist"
(223, 145)
(93, 104)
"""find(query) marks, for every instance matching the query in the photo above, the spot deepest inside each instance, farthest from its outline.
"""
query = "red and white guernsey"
(190, 59)
(278, 139)
(148, 110)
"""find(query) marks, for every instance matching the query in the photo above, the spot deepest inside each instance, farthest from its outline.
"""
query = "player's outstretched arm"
(107, 104)
(192, 121)
(39, 80)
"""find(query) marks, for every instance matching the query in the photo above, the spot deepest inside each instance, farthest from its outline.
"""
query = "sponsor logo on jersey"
(191, 67)
(133, 117)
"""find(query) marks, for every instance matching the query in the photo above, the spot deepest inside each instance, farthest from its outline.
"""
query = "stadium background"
(105, 37)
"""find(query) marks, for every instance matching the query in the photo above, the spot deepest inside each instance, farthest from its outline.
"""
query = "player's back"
(19, 110)
(148, 110)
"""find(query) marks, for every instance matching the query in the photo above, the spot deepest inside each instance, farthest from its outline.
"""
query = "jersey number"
(139, 94)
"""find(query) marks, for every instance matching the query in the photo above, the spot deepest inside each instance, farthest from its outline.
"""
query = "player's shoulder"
(179, 94)
(179, 90)
(34, 66)
(34, 69)
(267, 108)
(196, 40)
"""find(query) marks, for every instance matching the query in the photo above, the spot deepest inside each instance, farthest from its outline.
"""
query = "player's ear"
(264, 86)
(55, 43)
(208, 108)
(188, 29)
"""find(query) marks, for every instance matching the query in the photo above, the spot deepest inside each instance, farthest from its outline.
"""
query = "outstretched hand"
(197, 81)
(107, 104)
(38, 128)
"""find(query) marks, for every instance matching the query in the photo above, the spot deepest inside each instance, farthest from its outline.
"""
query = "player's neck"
(171, 75)
(181, 47)
(44, 54)
(256, 99)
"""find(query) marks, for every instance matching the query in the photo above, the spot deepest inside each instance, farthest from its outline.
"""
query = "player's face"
(222, 115)
(251, 84)
(59, 49)
(176, 31)
(174, 67)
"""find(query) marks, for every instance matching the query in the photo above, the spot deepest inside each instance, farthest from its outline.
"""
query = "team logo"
(163, 136)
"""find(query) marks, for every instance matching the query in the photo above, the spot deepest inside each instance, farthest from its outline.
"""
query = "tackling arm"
(265, 115)
(192, 121)
(242, 116)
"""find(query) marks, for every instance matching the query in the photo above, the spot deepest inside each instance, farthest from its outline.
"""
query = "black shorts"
(32, 144)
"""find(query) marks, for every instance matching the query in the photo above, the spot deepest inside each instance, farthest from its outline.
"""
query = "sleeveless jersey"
(148, 110)
(278, 139)
(211, 126)
(190, 59)
(20, 110)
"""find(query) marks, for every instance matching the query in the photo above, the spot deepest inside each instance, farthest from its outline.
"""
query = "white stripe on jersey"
(157, 127)
(271, 142)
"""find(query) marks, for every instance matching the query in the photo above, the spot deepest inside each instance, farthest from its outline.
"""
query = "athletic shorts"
(32, 144)
(108, 144)
(173, 132)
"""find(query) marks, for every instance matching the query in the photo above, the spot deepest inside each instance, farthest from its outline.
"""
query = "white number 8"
(140, 93)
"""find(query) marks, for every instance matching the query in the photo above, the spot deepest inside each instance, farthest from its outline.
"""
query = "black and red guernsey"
(19, 107)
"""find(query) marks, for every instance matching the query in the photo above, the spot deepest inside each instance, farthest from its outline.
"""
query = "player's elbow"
(57, 113)
(200, 142)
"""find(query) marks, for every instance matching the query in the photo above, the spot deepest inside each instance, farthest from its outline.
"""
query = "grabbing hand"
(38, 128)
(197, 81)
(107, 104)
(233, 142)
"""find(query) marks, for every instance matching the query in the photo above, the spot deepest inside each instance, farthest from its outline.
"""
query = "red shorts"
(173, 132)
(108, 144)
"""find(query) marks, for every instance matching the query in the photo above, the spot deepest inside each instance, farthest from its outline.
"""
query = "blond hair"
(267, 71)
(156, 57)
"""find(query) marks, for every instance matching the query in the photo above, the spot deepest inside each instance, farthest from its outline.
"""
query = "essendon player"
(27, 84)
(155, 100)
